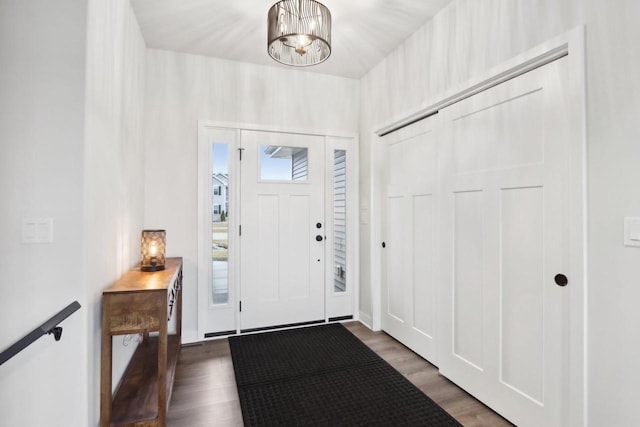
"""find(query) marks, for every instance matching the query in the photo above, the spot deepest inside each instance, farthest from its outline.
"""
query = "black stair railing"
(48, 327)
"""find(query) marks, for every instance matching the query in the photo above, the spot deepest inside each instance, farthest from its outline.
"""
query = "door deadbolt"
(561, 280)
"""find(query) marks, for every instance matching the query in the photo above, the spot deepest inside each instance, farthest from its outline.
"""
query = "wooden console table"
(140, 303)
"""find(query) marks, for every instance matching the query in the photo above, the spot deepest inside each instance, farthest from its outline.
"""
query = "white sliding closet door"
(504, 238)
(410, 237)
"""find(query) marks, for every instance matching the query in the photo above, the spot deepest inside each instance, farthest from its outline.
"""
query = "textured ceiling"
(364, 31)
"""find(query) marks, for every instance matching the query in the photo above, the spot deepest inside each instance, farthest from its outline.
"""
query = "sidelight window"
(220, 224)
(340, 220)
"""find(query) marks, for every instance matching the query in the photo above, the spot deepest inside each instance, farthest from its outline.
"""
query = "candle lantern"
(152, 250)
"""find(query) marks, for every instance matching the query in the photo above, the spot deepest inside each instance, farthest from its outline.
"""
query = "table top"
(136, 280)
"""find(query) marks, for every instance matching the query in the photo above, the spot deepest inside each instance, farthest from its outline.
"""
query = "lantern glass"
(152, 250)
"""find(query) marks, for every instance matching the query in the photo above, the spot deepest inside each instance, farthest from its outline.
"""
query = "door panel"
(266, 257)
(396, 259)
(521, 293)
(298, 237)
(424, 252)
(468, 289)
(504, 160)
(482, 141)
(282, 200)
(410, 230)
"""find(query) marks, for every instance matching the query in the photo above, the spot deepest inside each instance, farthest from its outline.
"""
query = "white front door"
(282, 243)
(410, 237)
(505, 165)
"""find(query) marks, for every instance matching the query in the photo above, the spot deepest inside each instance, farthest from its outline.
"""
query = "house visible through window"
(283, 163)
(340, 220)
(219, 226)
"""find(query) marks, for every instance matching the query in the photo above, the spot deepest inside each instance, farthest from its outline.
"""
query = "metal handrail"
(48, 327)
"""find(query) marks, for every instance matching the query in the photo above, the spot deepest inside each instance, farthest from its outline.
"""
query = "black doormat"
(324, 376)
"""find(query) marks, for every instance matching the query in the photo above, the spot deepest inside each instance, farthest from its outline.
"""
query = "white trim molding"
(269, 128)
(231, 132)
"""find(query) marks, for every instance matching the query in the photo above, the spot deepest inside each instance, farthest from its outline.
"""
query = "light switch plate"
(37, 230)
(632, 232)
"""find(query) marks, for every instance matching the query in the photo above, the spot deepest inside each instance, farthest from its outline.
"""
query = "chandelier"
(299, 32)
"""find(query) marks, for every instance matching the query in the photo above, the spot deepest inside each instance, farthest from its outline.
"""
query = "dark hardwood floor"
(204, 392)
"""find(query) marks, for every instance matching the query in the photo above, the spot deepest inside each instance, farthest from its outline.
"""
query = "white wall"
(613, 71)
(42, 64)
(467, 39)
(182, 89)
(114, 168)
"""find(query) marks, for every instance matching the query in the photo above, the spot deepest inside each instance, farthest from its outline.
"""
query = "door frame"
(336, 139)
(571, 44)
(204, 226)
(336, 303)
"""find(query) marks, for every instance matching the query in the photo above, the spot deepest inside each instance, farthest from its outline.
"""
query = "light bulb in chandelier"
(299, 43)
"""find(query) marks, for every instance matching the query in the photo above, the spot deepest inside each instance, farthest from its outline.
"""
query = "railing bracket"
(57, 332)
